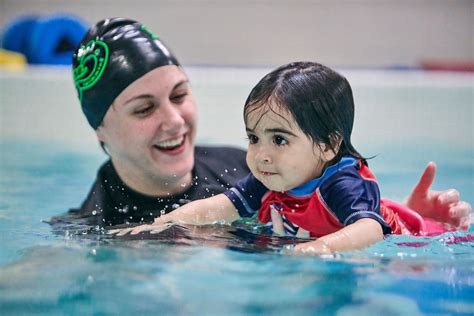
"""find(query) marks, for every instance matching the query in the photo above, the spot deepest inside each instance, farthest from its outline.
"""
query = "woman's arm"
(358, 235)
(200, 212)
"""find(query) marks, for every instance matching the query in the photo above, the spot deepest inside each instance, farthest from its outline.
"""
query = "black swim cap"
(113, 54)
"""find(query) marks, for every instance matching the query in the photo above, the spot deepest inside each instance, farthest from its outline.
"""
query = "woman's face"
(149, 132)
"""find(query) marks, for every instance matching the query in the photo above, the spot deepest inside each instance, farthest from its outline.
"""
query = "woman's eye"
(252, 139)
(144, 110)
(280, 141)
(178, 97)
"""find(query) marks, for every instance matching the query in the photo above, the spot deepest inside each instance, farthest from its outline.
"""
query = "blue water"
(215, 270)
(209, 269)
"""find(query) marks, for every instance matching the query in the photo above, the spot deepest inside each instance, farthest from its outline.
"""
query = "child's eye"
(279, 140)
(252, 139)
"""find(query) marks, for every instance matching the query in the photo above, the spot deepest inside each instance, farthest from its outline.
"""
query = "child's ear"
(329, 152)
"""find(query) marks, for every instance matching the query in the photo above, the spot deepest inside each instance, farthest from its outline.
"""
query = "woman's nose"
(171, 118)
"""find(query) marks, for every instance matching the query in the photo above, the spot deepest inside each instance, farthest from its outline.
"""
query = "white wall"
(361, 33)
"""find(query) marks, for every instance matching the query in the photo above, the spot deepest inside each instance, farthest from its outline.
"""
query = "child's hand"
(155, 228)
(443, 206)
(356, 236)
(316, 247)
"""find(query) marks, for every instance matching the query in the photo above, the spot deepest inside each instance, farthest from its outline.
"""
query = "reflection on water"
(217, 270)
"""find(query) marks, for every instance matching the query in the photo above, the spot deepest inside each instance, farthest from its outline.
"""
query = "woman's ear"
(100, 133)
(101, 136)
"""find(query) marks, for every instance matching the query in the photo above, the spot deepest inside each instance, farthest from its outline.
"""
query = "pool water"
(48, 160)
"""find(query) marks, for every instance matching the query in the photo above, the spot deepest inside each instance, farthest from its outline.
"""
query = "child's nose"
(263, 156)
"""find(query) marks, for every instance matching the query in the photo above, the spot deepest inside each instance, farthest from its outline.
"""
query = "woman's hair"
(319, 99)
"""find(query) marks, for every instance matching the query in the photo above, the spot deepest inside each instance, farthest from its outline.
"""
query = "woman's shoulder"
(220, 153)
(222, 150)
(221, 160)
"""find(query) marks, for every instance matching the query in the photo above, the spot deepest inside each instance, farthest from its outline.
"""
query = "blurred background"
(340, 33)
(410, 64)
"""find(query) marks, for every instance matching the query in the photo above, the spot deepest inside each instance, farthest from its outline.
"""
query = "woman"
(136, 96)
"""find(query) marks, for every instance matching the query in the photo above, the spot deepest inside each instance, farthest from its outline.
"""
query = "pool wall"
(361, 33)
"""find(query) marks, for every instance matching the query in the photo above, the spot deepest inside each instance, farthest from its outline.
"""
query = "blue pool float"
(54, 38)
(16, 34)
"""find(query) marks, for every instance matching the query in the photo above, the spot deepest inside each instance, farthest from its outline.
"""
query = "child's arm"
(200, 212)
(357, 235)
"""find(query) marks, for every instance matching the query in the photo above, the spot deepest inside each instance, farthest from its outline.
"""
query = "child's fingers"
(159, 228)
(426, 179)
(460, 211)
(466, 222)
(161, 219)
(141, 228)
(448, 197)
(119, 232)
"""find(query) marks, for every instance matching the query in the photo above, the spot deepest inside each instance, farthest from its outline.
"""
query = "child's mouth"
(266, 173)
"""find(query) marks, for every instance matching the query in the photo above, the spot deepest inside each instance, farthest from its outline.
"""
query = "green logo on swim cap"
(145, 29)
(91, 60)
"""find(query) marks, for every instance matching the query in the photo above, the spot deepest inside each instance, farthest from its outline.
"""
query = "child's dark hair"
(319, 99)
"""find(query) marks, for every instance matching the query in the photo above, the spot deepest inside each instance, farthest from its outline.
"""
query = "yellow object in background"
(12, 60)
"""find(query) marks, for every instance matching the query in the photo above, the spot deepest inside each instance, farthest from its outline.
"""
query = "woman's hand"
(443, 206)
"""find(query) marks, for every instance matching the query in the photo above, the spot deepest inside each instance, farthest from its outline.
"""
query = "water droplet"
(94, 212)
(226, 171)
(124, 210)
(235, 169)
(162, 212)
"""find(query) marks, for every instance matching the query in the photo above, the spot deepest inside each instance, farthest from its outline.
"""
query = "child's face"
(279, 154)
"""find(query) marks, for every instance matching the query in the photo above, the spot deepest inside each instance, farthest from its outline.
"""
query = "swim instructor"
(137, 98)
